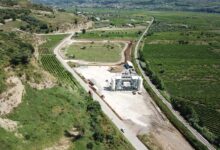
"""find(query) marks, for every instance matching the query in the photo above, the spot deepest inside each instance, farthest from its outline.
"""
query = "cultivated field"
(95, 51)
(184, 54)
(116, 17)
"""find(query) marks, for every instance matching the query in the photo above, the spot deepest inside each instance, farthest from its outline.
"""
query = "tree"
(98, 136)
(83, 31)
(89, 145)
(76, 21)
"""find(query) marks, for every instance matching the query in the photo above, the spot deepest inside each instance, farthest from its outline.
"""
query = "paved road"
(131, 136)
(176, 114)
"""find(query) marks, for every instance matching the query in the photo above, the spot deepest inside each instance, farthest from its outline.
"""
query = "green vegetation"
(184, 59)
(178, 124)
(57, 20)
(188, 5)
(13, 52)
(51, 42)
(114, 34)
(97, 130)
(32, 24)
(95, 52)
(45, 115)
(115, 17)
(34, 17)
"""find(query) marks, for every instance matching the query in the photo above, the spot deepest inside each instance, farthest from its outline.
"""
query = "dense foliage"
(32, 24)
(8, 2)
(13, 51)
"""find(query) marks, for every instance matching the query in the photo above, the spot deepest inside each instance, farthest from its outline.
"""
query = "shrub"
(89, 145)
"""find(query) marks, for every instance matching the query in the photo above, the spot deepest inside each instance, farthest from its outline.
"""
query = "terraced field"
(186, 59)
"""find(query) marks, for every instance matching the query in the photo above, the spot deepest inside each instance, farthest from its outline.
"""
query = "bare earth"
(12, 97)
(8, 125)
(63, 144)
(138, 111)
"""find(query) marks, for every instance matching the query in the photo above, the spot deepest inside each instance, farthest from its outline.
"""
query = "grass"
(51, 64)
(183, 130)
(9, 26)
(95, 52)
(114, 34)
(51, 42)
(116, 17)
(44, 115)
(57, 19)
(187, 62)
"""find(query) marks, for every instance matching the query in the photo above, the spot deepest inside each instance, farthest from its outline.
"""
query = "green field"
(95, 52)
(130, 34)
(51, 42)
(187, 62)
(115, 17)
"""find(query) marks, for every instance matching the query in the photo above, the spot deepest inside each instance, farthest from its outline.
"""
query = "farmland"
(115, 17)
(184, 54)
(95, 51)
(115, 34)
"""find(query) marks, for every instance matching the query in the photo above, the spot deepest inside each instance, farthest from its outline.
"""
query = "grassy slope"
(188, 71)
(44, 115)
(96, 52)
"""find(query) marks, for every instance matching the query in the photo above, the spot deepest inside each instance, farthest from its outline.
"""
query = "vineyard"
(51, 64)
(186, 61)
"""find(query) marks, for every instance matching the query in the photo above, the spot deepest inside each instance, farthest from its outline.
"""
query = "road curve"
(175, 113)
(131, 136)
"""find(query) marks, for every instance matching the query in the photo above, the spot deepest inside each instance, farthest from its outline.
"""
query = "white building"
(127, 81)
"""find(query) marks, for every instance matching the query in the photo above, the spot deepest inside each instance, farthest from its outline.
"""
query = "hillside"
(41, 104)
(25, 16)
(190, 5)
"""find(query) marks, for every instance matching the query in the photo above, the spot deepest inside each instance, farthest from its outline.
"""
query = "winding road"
(175, 113)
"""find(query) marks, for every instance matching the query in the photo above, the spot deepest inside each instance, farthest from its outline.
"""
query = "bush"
(89, 145)
(83, 31)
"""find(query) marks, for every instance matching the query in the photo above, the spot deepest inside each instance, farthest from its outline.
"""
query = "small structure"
(129, 65)
(127, 81)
